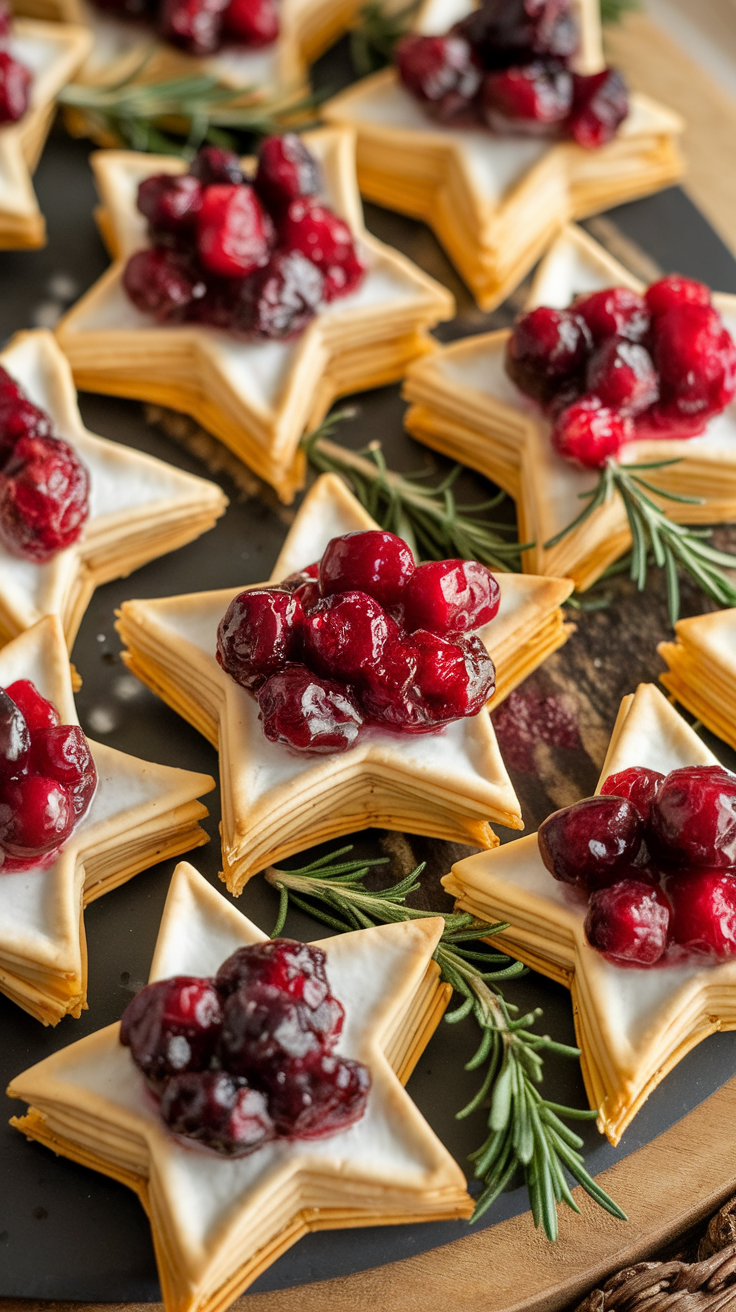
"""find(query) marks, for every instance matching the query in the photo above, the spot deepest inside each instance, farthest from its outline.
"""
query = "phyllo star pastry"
(274, 301)
(37, 60)
(230, 1183)
(547, 450)
(76, 820)
(701, 673)
(443, 779)
(76, 510)
(497, 126)
(629, 900)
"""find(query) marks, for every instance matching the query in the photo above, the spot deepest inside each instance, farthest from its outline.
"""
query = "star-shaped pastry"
(465, 405)
(218, 1222)
(702, 670)
(140, 507)
(141, 814)
(52, 52)
(257, 397)
(496, 202)
(275, 802)
(633, 1025)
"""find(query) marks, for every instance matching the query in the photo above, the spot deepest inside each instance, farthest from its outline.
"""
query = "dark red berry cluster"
(44, 487)
(254, 256)
(202, 27)
(617, 366)
(248, 1056)
(508, 65)
(15, 78)
(656, 855)
(364, 636)
(47, 777)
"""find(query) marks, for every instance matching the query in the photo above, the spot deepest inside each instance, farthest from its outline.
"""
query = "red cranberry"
(15, 740)
(44, 491)
(693, 817)
(294, 969)
(5, 17)
(373, 561)
(601, 103)
(18, 417)
(546, 349)
(704, 911)
(170, 201)
(455, 676)
(325, 1097)
(637, 784)
(629, 922)
(696, 360)
(534, 97)
(219, 1110)
(234, 233)
(258, 634)
(309, 574)
(309, 595)
(622, 375)
(172, 1026)
(615, 312)
(451, 596)
(311, 714)
(589, 844)
(15, 85)
(286, 170)
(389, 693)
(441, 71)
(195, 25)
(345, 635)
(63, 753)
(36, 815)
(214, 164)
(253, 22)
(37, 712)
(280, 299)
(163, 283)
(326, 240)
(590, 433)
(263, 1027)
(674, 290)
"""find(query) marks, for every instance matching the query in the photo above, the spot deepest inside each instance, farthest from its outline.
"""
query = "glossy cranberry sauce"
(656, 857)
(47, 778)
(362, 637)
(15, 78)
(507, 65)
(44, 486)
(254, 256)
(616, 366)
(202, 27)
(248, 1056)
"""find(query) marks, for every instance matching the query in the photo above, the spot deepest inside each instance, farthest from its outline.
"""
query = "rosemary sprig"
(525, 1131)
(612, 11)
(429, 519)
(672, 545)
(176, 116)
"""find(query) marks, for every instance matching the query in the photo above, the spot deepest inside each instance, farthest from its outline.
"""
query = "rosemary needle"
(526, 1132)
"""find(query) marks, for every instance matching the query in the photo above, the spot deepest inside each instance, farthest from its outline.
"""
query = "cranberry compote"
(363, 637)
(202, 27)
(254, 257)
(44, 486)
(616, 366)
(47, 778)
(248, 1056)
(15, 78)
(508, 64)
(663, 884)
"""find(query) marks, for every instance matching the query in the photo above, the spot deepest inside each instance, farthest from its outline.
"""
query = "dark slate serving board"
(67, 1233)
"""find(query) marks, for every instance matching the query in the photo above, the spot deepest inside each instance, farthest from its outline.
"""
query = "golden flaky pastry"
(633, 1025)
(141, 814)
(52, 52)
(465, 405)
(258, 397)
(496, 202)
(275, 802)
(139, 507)
(219, 1222)
(702, 670)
